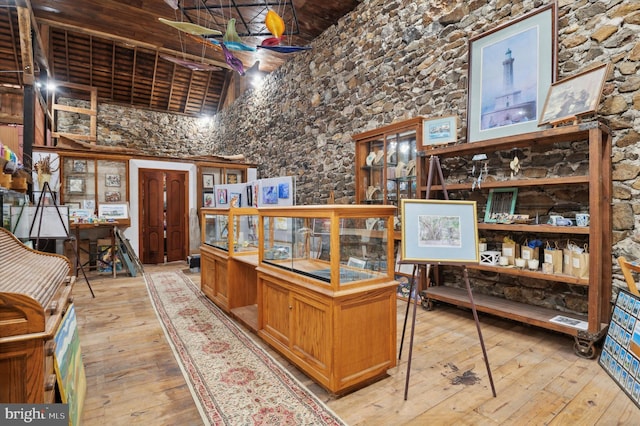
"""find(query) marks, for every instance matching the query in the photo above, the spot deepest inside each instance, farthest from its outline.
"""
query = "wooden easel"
(434, 165)
(40, 208)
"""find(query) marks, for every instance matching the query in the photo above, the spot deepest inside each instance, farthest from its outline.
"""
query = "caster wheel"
(428, 304)
(584, 349)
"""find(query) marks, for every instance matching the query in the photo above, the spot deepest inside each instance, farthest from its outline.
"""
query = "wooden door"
(176, 216)
(152, 216)
(160, 190)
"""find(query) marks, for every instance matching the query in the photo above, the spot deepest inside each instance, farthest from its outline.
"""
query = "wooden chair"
(627, 270)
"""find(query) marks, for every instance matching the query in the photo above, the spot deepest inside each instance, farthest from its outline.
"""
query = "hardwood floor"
(133, 378)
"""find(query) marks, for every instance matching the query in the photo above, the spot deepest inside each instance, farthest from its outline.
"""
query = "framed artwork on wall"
(439, 231)
(439, 131)
(76, 185)
(511, 68)
(574, 96)
(79, 166)
(207, 181)
(112, 196)
(112, 180)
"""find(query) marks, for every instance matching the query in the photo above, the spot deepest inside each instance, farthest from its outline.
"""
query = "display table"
(110, 226)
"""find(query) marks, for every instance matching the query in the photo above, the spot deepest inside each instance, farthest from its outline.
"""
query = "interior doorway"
(163, 215)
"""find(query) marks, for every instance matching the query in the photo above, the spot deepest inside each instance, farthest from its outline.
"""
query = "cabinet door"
(311, 332)
(221, 292)
(276, 311)
(371, 174)
(207, 274)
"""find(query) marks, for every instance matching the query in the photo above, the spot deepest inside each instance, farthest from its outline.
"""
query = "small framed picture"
(574, 96)
(222, 196)
(232, 178)
(501, 203)
(112, 180)
(113, 211)
(235, 199)
(73, 205)
(283, 190)
(208, 200)
(439, 131)
(76, 185)
(112, 196)
(79, 166)
(89, 204)
(207, 181)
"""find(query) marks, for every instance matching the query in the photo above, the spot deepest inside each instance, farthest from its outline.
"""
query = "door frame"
(133, 232)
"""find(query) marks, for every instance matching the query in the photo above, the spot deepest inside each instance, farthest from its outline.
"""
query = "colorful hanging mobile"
(192, 65)
(190, 28)
(231, 39)
(232, 61)
(275, 25)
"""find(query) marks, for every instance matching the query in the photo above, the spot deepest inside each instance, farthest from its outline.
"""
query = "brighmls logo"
(34, 414)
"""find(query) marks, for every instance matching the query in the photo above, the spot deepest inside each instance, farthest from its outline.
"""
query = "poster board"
(620, 356)
(55, 221)
(69, 367)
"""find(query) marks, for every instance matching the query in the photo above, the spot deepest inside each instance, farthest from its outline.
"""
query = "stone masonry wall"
(392, 60)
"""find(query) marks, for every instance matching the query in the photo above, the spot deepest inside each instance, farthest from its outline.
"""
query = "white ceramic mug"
(533, 264)
(582, 219)
(520, 262)
(553, 219)
(503, 261)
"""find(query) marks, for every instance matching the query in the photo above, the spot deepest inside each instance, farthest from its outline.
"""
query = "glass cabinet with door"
(387, 169)
(87, 183)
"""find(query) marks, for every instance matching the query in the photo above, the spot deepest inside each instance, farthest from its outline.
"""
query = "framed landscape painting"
(511, 68)
(439, 231)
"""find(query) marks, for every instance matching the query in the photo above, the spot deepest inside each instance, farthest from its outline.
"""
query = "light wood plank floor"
(133, 378)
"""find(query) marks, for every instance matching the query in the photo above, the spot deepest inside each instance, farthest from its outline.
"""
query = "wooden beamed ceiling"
(119, 47)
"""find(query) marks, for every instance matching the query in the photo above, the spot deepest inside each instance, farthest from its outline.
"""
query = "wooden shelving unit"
(598, 233)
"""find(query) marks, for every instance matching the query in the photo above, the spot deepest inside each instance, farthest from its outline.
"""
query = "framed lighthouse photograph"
(511, 68)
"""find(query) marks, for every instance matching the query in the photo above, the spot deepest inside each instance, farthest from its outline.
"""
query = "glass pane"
(246, 233)
(373, 172)
(216, 230)
(79, 183)
(112, 181)
(363, 248)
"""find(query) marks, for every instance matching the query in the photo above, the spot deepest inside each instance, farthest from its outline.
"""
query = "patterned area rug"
(234, 381)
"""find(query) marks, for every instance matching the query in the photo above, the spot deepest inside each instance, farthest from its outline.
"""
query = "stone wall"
(392, 60)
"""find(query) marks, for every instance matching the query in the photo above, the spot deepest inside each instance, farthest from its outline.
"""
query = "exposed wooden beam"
(133, 72)
(153, 81)
(113, 69)
(186, 101)
(41, 49)
(203, 102)
(16, 55)
(131, 42)
(26, 43)
(173, 77)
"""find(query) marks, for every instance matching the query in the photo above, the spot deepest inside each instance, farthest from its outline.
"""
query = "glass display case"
(228, 260)
(386, 162)
(9, 198)
(337, 245)
(326, 293)
(90, 182)
(243, 237)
